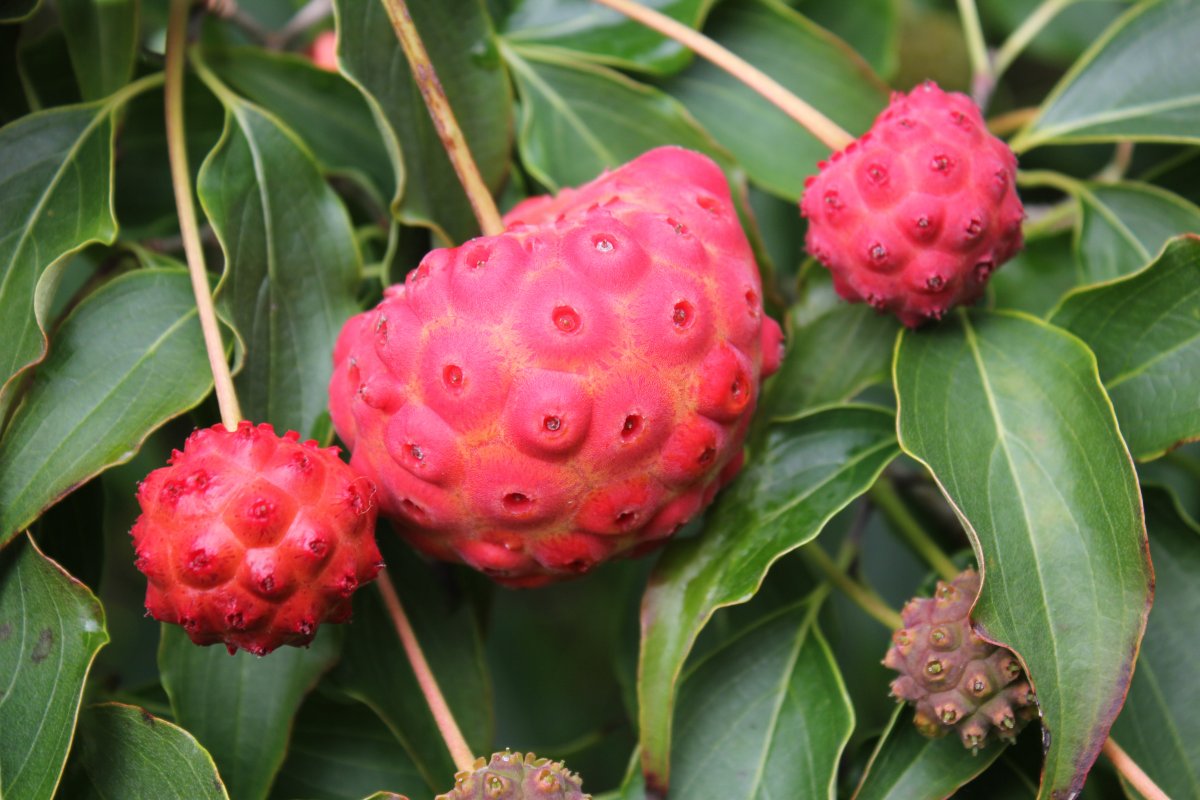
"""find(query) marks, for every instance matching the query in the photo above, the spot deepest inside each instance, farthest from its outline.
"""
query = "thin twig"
(1025, 33)
(1131, 772)
(982, 80)
(904, 523)
(181, 181)
(455, 743)
(444, 121)
(816, 123)
(864, 598)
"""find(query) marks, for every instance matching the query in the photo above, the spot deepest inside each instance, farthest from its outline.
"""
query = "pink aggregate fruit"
(915, 215)
(253, 539)
(578, 387)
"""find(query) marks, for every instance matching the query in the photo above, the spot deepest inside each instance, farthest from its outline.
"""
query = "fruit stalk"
(982, 79)
(443, 119)
(885, 498)
(816, 123)
(1131, 772)
(866, 599)
(181, 182)
(455, 743)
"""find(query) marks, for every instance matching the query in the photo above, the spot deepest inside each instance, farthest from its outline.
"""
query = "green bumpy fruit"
(513, 776)
(956, 680)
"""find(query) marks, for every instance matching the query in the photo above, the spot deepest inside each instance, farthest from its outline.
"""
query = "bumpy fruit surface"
(534, 403)
(915, 215)
(252, 539)
(956, 680)
(512, 776)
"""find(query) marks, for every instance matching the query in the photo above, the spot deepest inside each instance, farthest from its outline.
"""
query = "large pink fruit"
(537, 402)
(915, 215)
(252, 539)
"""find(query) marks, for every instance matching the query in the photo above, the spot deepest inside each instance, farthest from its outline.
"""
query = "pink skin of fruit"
(323, 51)
(253, 539)
(915, 215)
(577, 388)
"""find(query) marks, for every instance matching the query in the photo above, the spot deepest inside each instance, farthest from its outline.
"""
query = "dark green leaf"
(592, 32)
(871, 27)
(56, 171)
(578, 120)
(126, 752)
(324, 110)
(69, 534)
(908, 766)
(375, 670)
(135, 344)
(1158, 728)
(241, 707)
(1145, 331)
(1036, 277)
(17, 10)
(1065, 38)
(342, 750)
(1115, 91)
(765, 716)
(830, 360)
(1009, 415)
(462, 47)
(292, 263)
(50, 629)
(102, 38)
(808, 470)
(776, 152)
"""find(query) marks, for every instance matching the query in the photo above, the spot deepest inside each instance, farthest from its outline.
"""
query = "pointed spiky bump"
(572, 390)
(956, 680)
(252, 540)
(915, 215)
(516, 776)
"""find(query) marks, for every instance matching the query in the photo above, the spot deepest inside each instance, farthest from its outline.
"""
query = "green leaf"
(592, 32)
(1158, 727)
(765, 716)
(341, 750)
(1145, 331)
(808, 470)
(463, 51)
(830, 360)
(775, 151)
(292, 263)
(1036, 277)
(325, 110)
(56, 170)
(126, 752)
(102, 38)
(135, 344)
(579, 119)
(241, 707)
(17, 10)
(51, 627)
(1009, 415)
(1116, 92)
(375, 670)
(870, 27)
(908, 766)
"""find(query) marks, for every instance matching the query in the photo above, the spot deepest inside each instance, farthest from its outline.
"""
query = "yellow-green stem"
(816, 123)
(903, 522)
(860, 595)
(981, 68)
(444, 120)
(181, 181)
(1019, 39)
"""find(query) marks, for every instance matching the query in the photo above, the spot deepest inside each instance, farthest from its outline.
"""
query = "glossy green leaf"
(871, 27)
(342, 749)
(590, 31)
(375, 670)
(1158, 727)
(908, 766)
(1115, 91)
(17, 10)
(578, 120)
(241, 707)
(1145, 331)
(830, 360)
(766, 716)
(136, 345)
(775, 151)
(292, 263)
(808, 470)
(127, 752)
(324, 110)
(56, 172)
(1009, 415)
(462, 47)
(50, 629)
(1038, 276)
(102, 38)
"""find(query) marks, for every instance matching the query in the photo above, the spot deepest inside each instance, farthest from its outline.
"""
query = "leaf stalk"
(884, 496)
(860, 595)
(1131, 772)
